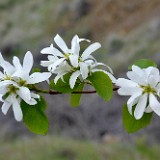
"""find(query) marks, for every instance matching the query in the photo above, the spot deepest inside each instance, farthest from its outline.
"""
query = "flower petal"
(132, 101)
(122, 82)
(61, 44)
(136, 78)
(74, 60)
(28, 62)
(17, 63)
(140, 107)
(52, 50)
(16, 108)
(5, 107)
(84, 70)
(138, 70)
(33, 95)
(38, 77)
(73, 78)
(154, 104)
(54, 65)
(24, 93)
(60, 75)
(93, 47)
(75, 47)
(8, 68)
(127, 91)
(148, 109)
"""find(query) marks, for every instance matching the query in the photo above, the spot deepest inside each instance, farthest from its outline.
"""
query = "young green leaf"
(75, 98)
(143, 63)
(34, 117)
(131, 124)
(103, 84)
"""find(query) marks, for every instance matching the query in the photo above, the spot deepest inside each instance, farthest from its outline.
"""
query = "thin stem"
(75, 92)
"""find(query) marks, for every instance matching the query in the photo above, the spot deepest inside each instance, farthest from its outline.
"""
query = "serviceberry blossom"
(72, 60)
(143, 86)
(15, 81)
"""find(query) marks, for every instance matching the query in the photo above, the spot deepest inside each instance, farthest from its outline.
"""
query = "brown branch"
(78, 92)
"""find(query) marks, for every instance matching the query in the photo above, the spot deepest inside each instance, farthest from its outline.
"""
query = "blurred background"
(128, 30)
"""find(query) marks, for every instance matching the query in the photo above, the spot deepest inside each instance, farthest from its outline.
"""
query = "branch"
(75, 92)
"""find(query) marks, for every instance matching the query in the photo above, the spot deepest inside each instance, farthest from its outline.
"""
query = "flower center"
(66, 55)
(148, 89)
(22, 82)
(12, 89)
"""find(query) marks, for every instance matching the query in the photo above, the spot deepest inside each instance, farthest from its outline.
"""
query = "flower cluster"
(71, 60)
(144, 89)
(15, 81)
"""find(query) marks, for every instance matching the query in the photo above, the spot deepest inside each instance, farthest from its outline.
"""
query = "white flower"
(144, 89)
(22, 71)
(58, 57)
(14, 84)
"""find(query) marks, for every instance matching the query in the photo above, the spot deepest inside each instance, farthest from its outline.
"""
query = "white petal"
(102, 64)
(138, 70)
(132, 101)
(58, 62)
(154, 104)
(33, 95)
(84, 70)
(46, 63)
(61, 44)
(152, 81)
(17, 63)
(28, 62)
(93, 47)
(148, 109)
(122, 82)
(5, 107)
(17, 110)
(52, 50)
(136, 78)
(73, 78)
(1, 75)
(8, 68)
(38, 77)
(75, 47)
(74, 60)
(59, 76)
(8, 82)
(83, 39)
(24, 93)
(127, 91)
(140, 107)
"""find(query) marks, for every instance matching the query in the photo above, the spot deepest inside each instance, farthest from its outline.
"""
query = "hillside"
(127, 29)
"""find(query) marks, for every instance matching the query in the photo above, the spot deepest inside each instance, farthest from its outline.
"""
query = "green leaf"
(34, 117)
(62, 86)
(75, 98)
(143, 63)
(36, 70)
(131, 124)
(103, 84)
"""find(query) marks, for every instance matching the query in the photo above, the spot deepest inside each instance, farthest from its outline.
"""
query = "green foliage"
(103, 85)
(62, 86)
(75, 98)
(36, 70)
(34, 116)
(131, 124)
(143, 63)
